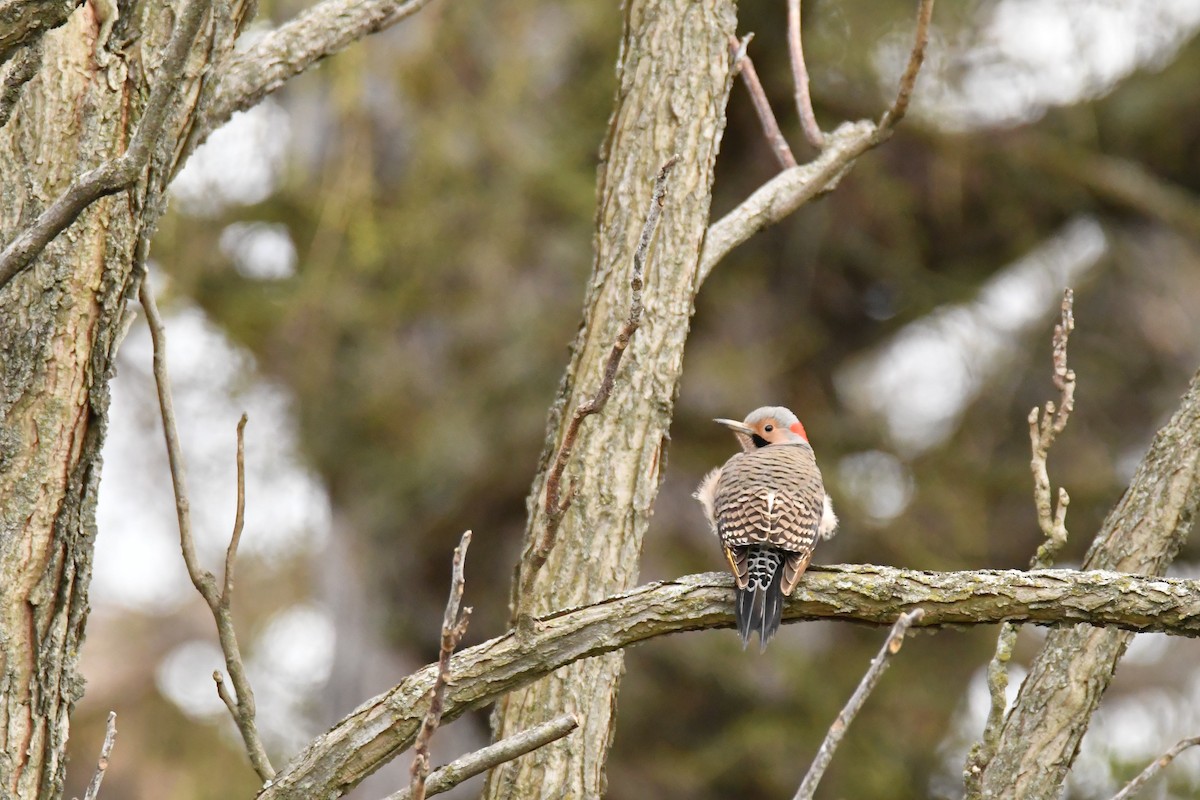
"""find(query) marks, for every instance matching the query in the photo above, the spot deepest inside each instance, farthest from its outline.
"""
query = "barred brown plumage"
(768, 506)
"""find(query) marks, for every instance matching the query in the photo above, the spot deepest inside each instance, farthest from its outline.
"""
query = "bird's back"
(772, 495)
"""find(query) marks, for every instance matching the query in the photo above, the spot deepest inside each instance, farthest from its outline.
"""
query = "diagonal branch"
(117, 173)
(879, 665)
(388, 724)
(446, 778)
(218, 599)
(314, 34)
(762, 106)
(1154, 767)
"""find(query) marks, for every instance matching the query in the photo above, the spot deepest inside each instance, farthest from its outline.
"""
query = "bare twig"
(837, 730)
(218, 599)
(110, 738)
(454, 625)
(909, 78)
(555, 507)
(292, 48)
(117, 173)
(808, 120)
(1154, 767)
(472, 764)
(1044, 426)
(762, 106)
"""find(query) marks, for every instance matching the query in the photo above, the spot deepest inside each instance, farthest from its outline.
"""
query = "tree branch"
(879, 664)
(117, 173)
(762, 106)
(388, 724)
(1154, 767)
(472, 764)
(808, 120)
(23, 67)
(1067, 679)
(454, 625)
(909, 79)
(314, 34)
(218, 600)
(110, 738)
(24, 22)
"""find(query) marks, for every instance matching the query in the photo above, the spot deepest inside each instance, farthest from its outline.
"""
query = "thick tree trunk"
(61, 322)
(674, 77)
(1041, 735)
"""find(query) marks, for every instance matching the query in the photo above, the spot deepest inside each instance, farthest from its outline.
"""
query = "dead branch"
(909, 79)
(388, 724)
(117, 173)
(1154, 767)
(110, 738)
(555, 507)
(314, 34)
(792, 188)
(454, 625)
(808, 120)
(766, 117)
(837, 730)
(242, 707)
(1043, 429)
(472, 764)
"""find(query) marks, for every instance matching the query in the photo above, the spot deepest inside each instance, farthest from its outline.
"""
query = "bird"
(767, 505)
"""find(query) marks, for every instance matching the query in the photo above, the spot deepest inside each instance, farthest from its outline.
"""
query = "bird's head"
(766, 425)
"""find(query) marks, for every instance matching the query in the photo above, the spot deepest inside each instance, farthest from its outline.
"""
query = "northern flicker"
(768, 506)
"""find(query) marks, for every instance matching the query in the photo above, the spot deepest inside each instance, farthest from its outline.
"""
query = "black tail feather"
(760, 604)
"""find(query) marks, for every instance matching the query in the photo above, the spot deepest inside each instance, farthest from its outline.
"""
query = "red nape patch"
(797, 428)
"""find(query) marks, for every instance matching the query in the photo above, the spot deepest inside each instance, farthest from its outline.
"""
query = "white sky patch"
(922, 379)
(877, 482)
(260, 250)
(240, 164)
(138, 563)
(1025, 56)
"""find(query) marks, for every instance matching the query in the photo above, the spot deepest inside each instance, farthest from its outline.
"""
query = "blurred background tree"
(397, 246)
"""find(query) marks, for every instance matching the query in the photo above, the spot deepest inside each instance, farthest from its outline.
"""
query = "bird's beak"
(735, 426)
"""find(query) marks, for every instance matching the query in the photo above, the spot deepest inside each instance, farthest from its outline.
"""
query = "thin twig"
(555, 507)
(837, 730)
(808, 120)
(909, 78)
(119, 172)
(239, 517)
(243, 708)
(1154, 767)
(454, 625)
(762, 106)
(110, 738)
(1044, 426)
(472, 764)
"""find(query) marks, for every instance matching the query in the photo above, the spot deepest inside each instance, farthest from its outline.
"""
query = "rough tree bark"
(1141, 535)
(673, 83)
(62, 318)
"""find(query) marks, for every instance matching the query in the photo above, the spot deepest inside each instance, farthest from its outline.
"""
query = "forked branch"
(218, 597)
